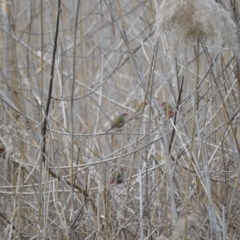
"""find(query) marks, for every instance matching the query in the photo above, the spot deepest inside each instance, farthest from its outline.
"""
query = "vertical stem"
(45, 122)
(72, 113)
(191, 144)
(40, 112)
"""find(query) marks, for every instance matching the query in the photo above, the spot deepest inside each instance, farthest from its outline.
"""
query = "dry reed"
(64, 191)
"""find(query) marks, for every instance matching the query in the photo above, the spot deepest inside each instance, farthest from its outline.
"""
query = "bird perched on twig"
(139, 110)
(118, 176)
(119, 121)
(167, 108)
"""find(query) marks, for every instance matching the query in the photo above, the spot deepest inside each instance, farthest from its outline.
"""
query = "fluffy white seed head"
(191, 20)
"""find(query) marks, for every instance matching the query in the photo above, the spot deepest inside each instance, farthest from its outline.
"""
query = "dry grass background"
(182, 173)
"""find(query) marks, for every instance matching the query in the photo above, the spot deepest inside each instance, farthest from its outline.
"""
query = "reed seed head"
(192, 20)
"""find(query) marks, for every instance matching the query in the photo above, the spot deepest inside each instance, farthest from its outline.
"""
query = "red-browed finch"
(138, 111)
(117, 176)
(167, 109)
(119, 121)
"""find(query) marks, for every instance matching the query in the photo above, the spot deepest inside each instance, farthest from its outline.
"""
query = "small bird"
(138, 111)
(167, 109)
(117, 176)
(119, 121)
